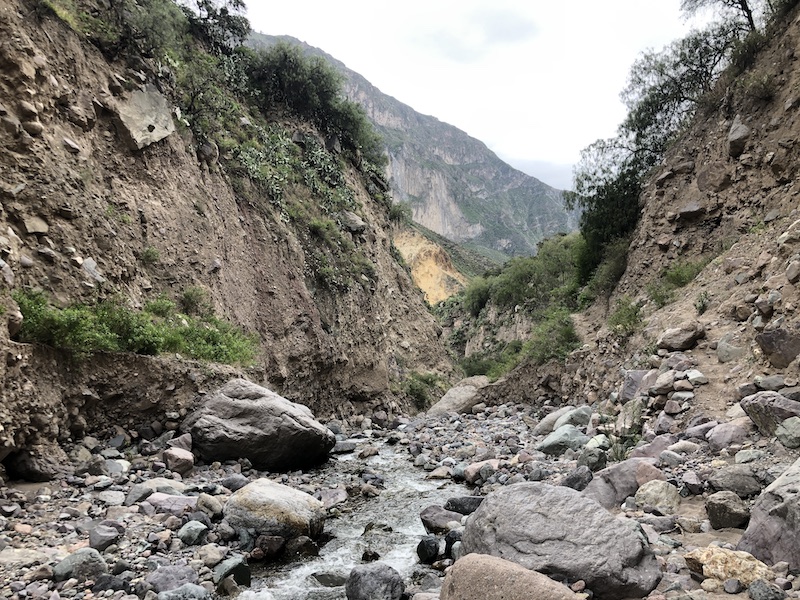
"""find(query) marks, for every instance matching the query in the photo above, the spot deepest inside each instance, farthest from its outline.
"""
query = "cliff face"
(87, 192)
(725, 197)
(454, 184)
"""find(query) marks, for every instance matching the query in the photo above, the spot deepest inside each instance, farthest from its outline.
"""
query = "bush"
(477, 295)
(554, 338)
(194, 301)
(626, 318)
(112, 326)
(150, 255)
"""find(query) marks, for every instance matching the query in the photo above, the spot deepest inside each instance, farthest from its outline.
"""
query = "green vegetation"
(112, 326)
(626, 318)
(662, 291)
(664, 91)
(423, 388)
(150, 255)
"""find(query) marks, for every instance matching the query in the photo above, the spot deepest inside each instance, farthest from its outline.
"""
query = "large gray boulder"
(683, 337)
(374, 581)
(245, 420)
(483, 577)
(559, 532)
(274, 509)
(461, 397)
(768, 409)
(773, 534)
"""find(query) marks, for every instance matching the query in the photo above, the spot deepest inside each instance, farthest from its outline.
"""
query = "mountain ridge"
(455, 185)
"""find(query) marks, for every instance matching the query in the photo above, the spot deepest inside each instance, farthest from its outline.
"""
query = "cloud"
(473, 35)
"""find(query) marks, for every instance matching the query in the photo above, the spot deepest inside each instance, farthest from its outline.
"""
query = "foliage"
(112, 326)
(494, 365)
(150, 255)
(420, 387)
(608, 272)
(702, 302)
(219, 24)
(400, 212)
(477, 295)
(681, 273)
(194, 301)
(626, 318)
(740, 12)
(311, 88)
(553, 338)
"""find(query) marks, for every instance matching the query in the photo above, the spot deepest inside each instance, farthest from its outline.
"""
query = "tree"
(219, 24)
(739, 11)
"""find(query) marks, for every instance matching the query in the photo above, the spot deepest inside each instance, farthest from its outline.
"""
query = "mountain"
(453, 183)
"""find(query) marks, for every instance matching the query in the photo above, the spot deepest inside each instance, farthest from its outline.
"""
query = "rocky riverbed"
(606, 509)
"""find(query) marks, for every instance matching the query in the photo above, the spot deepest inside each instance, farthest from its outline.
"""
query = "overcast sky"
(536, 81)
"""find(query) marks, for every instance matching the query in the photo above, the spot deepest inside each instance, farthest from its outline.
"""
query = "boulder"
(83, 564)
(773, 534)
(563, 438)
(274, 509)
(439, 520)
(721, 563)
(484, 577)
(768, 409)
(188, 591)
(739, 479)
(659, 495)
(683, 337)
(566, 534)
(245, 420)
(737, 137)
(788, 432)
(612, 485)
(170, 577)
(460, 398)
(722, 435)
(780, 346)
(145, 117)
(726, 509)
(374, 581)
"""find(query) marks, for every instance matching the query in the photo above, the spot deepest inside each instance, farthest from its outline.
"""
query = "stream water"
(388, 524)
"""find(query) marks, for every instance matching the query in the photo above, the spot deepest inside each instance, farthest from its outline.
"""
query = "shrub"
(194, 301)
(477, 295)
(553, 338)
(626, 318)
(113, 326)
(150, 255)
(702, 302)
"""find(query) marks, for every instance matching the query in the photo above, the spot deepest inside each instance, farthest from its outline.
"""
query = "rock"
(683, 337)
(438, 520)
(664, 384)
(483, 577)
(594, 458)
(773, 534)
(631, 383)
(780, 346)
(102, 536)
(578, 478)
(547, 423)
(245, 420)
(82, 564)
(179, 460)
(274, 509)
(726, 434)
(235, 482)
(660, 495)
(563, 438)
(726, 509)
(727, 351)
(534, 525)
(612, 485)
(473, 472)
(578, 417)
(236, 567)
(170, 577)
(737, 137)
(38, 462)
(788, 432)
(460, 398)
(768, 409)
(70, 146)
(188, 591)
(428, 549)
(736, 478)
(176, 504)
(465, 505)
(192, 533)
(721, 563)
(374, 581)
(145, 117)
(762, 590)
(732, 586)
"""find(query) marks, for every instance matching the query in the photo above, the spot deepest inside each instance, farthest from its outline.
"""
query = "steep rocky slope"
(94, 177)
(454, 184)
(727, 193)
